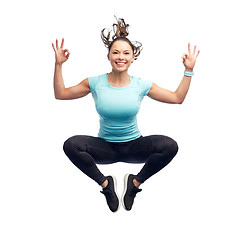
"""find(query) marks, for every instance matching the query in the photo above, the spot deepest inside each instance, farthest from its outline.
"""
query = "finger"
(197, 53)
(53, 47)
(62, 43)
(66, 53)
(189, 48)
(194, 50)
(184, 56)
(57, 44)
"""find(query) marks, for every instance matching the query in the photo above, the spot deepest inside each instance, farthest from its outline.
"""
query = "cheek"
(112, 58)
(130, 59)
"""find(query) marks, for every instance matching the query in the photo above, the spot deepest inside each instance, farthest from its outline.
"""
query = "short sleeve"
(145, 87)
(92, 83)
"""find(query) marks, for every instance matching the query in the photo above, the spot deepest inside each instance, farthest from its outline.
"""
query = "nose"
(121, 56)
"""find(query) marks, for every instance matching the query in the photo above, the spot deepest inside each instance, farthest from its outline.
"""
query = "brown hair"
(120, 30)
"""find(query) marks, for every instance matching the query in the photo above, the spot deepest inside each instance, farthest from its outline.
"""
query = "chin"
(120, 70)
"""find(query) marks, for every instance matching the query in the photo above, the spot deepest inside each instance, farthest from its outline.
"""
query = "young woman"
(117, 98)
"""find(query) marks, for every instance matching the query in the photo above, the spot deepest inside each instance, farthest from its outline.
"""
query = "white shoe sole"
(115, 189)
(125, 189)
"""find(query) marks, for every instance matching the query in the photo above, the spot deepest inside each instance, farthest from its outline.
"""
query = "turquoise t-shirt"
(118, 107)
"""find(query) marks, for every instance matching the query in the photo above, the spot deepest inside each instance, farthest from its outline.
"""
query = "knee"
(70, 145)
(171, 147)
(166, 146)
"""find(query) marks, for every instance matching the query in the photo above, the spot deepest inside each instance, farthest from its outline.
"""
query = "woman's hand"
(190, 58)
(61, 54)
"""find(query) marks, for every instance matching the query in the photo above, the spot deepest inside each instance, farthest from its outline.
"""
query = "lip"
(120, 63)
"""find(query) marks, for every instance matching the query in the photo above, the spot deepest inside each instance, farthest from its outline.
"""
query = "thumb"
(66, 53)
(184, 57)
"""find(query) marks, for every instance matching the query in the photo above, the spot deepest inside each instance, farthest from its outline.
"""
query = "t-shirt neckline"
(118, 88)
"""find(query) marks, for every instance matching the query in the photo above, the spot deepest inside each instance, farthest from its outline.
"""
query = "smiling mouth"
(120, 63)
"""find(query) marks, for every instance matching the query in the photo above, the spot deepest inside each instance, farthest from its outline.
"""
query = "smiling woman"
(118, 97)
(121, 57)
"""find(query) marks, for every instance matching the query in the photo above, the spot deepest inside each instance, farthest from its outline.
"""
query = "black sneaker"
(110, 193)
(129, 192)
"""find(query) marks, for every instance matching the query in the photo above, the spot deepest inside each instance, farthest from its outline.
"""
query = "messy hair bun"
(120, 32)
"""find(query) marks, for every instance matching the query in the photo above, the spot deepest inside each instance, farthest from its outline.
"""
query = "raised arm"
(177, 97)
(78, 91)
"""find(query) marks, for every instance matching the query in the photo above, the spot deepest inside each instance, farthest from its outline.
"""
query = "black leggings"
(155, 151)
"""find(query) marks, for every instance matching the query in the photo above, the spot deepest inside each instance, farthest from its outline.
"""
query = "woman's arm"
(62, 93)
(179, 95)
(166, 96)
(78, 91)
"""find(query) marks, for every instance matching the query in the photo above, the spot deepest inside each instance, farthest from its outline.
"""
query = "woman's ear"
(133, 58)
(108, 57)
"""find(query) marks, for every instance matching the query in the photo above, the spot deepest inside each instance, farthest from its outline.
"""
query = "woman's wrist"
(188, 70)
(58, 64)
(188, 73)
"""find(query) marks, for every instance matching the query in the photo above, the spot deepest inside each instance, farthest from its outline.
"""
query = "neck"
(119, 77)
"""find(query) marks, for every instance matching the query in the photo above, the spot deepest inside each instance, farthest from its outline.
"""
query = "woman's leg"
(85, 152)
(156, 151)
(165, 150)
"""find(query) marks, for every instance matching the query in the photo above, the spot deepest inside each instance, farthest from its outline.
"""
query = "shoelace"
(108, 193)
(134, 191)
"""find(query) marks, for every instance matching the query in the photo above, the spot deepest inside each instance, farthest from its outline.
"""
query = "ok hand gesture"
(61, 54)
(190, 58)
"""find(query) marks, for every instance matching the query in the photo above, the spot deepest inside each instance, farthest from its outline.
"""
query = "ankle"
(105, 183)
(136, 183)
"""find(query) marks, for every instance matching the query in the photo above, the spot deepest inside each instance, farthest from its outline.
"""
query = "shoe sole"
(125, 189)
(115, 189)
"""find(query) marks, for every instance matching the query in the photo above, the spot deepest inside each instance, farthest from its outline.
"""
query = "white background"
(43, 196)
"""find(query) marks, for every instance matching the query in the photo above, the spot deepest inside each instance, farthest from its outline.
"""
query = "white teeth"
(120, 63)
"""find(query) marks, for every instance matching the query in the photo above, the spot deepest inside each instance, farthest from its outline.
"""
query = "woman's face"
(121, 56)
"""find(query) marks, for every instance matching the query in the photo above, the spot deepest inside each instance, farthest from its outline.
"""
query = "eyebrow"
(123, 51)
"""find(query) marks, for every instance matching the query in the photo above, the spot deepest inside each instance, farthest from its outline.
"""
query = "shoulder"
(141, 81)
(143, 84)
(94, 81)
